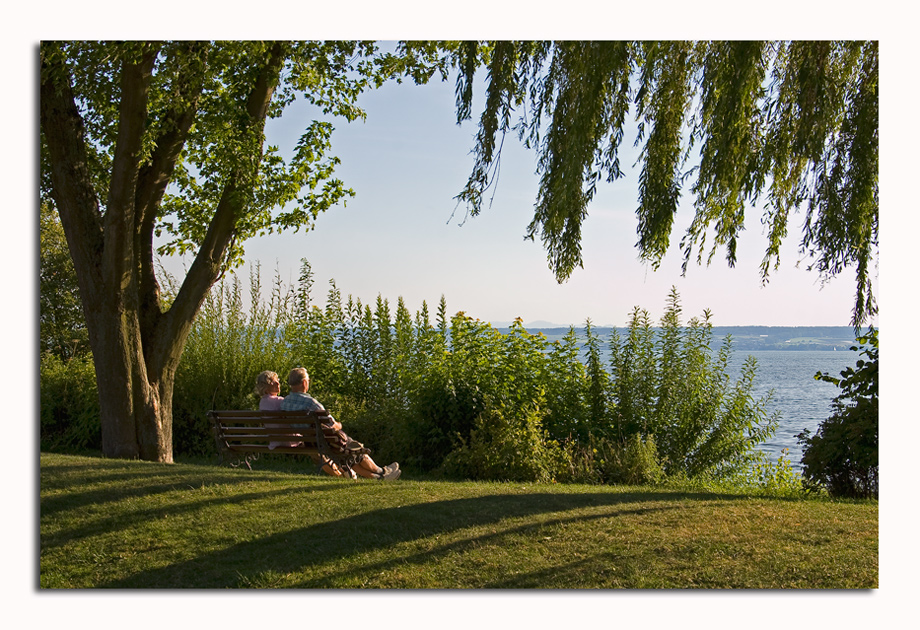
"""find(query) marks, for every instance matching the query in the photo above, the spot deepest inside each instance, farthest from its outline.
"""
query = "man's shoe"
(391, 475)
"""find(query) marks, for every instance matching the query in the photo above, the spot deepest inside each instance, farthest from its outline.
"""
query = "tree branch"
(119, 220)
(157, 172)
(211, 257)
(64, 135)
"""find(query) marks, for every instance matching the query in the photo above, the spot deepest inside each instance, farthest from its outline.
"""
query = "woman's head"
(267, 383)
(298, 378)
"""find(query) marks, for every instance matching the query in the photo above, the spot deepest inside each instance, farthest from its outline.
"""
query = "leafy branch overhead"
(789, 126)
(199, 98)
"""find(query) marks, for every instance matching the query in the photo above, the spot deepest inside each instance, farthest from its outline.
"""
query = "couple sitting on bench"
(269, 387)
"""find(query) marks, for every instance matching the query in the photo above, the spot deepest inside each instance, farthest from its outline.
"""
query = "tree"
(792, 123)
(148, 138)
(62, 330)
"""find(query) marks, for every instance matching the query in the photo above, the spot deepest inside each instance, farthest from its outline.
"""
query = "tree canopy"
(789, 126)
(167, 138)
(199, 117)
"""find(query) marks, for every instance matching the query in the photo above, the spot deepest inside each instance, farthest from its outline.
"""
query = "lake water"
(802, 401)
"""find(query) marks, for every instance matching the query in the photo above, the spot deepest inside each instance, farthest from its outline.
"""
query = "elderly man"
(299, 400)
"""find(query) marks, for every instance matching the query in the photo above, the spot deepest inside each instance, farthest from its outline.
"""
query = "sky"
(404, 235)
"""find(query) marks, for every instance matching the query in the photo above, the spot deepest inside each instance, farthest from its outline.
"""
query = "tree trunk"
(136, 346)
(135, 401)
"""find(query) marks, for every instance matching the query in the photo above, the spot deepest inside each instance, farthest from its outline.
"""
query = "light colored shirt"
(270, 403)
(273, 403)
(298, 401)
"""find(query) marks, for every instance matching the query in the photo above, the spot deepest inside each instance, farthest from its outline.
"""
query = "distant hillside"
(788, 337)
(747, 337)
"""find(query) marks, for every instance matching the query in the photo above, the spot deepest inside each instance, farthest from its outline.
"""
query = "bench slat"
(268, 430)
(252, 413)
(244, 432)
(268, 437)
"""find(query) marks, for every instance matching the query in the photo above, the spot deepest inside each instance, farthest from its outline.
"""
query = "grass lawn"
(128, 524)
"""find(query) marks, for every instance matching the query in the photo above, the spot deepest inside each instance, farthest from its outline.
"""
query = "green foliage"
(672, 387)
(69, 412)
(441, 418)
(508, 447)
(779, 479)
(597, 381)
(460, 398)
(842, 456)
(213, 80)
(634, 461)
(62, 329)
(227, 348)
(794, 123)
(566, 415)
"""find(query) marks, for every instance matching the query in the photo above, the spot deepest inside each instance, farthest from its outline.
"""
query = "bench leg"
(249, 457)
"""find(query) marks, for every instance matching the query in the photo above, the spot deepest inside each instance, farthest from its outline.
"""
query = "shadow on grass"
(571, 573)
(295, 550)
(123, 521)
(158, 480)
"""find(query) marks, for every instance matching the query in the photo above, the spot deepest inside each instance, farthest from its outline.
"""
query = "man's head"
(299, 380)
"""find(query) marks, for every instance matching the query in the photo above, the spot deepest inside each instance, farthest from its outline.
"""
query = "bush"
(779, 479)
(227, 347)
(459, 397)
(762, 478)
(507, 447)
(69, 413)
(633, 461)
(669, 385)
(842, 456)
(442, 416)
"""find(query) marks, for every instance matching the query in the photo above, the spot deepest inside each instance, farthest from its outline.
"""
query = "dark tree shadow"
(292, 550)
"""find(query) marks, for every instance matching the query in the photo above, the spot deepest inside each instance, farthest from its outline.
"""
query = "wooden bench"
(242, 436)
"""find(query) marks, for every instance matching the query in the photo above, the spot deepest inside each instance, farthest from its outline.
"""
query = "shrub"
(566, 392)
(69, 412)
(672, 387)
(842, 456)
(507, 447)
(580, 463)
(458, 397)
(227, 347)
(779, 479)
(441, 419)
(633, 461)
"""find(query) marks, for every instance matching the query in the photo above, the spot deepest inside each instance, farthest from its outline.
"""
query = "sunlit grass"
(107, 523)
